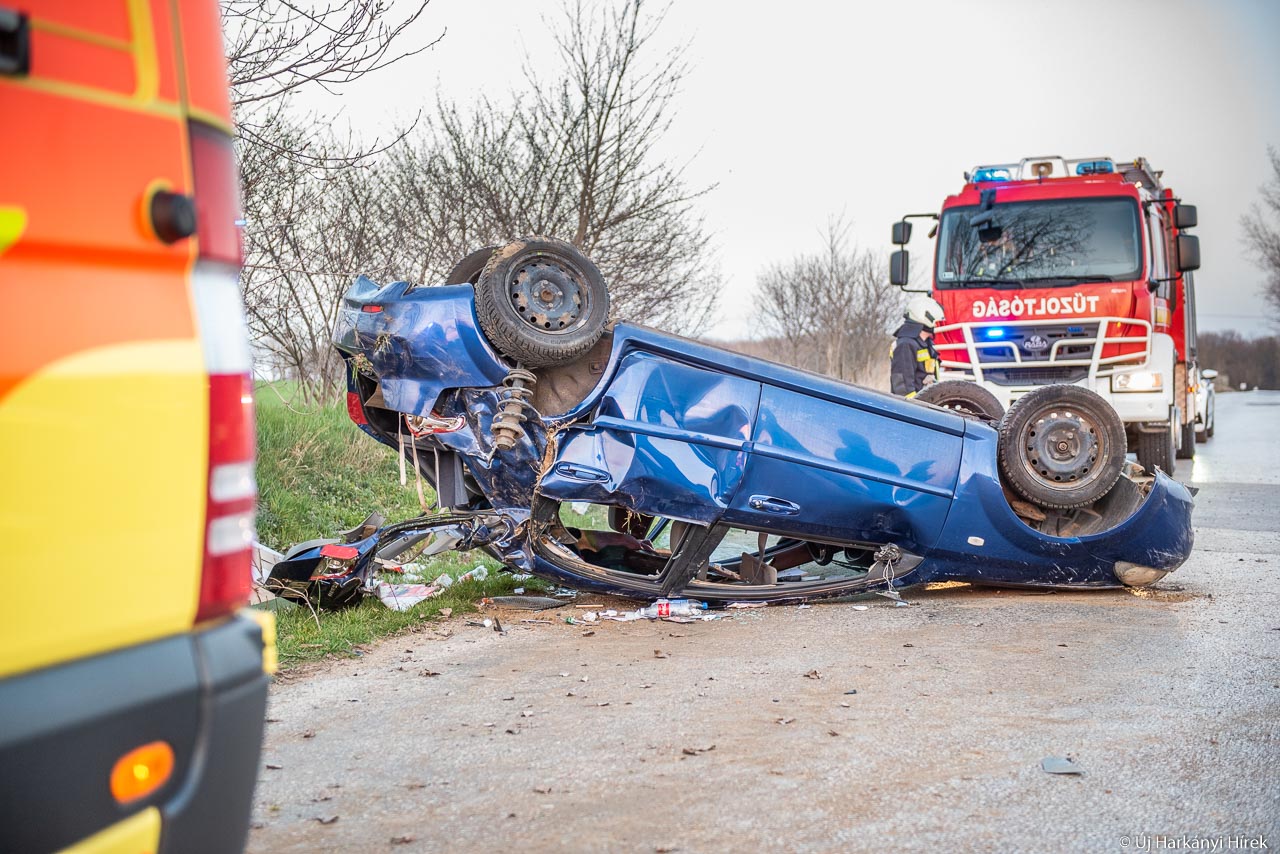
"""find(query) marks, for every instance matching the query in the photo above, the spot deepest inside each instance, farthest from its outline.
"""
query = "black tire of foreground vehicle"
(541, 302)
(1061, 446)
(967, 400)
(1157, 450)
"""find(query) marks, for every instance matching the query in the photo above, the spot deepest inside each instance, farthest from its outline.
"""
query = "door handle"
(577, 472)
(776, 506)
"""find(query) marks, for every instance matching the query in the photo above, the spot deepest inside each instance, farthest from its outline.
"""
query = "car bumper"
(204, 693)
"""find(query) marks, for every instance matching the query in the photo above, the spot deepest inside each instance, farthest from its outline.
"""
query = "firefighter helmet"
(923, 310)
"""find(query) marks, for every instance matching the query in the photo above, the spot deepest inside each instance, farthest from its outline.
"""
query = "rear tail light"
(232, 495)
(355, 408)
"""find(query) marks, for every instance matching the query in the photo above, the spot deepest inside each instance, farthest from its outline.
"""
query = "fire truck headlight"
(1138, 381)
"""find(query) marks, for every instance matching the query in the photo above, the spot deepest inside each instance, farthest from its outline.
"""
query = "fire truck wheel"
(1061, 446)
(1188, 449)
(1157, 449)
(967, 400)
(466, 271)
(541, 301)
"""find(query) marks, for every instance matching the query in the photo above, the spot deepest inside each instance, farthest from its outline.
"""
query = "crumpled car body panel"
(712, 441)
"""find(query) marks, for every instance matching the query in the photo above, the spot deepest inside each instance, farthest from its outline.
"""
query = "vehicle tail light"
(231, 499)
(355, 408)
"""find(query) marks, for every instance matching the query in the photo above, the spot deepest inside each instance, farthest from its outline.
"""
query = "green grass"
(303, 635)
(318, 474)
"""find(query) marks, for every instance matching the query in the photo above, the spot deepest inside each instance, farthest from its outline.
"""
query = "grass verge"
(318, 474)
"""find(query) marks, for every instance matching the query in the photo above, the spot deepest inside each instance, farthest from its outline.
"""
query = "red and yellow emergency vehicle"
(132, 682)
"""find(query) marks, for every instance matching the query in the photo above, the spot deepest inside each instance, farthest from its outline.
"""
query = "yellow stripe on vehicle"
(137, 834)
(107, 448)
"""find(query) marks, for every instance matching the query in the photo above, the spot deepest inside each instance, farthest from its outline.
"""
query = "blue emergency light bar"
(993, 332)
(1095, 167)
(991, 174)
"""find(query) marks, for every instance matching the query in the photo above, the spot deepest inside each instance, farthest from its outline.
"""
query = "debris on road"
(1060, 765)
(664, 608)
(402, 597)
(698, 751)
(813, 674)
(525, 603)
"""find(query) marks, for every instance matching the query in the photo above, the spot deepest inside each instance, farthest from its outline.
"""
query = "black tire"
(1156, 450)
(967, 400)
(1211, 418)
(1188, 449)
(1061, 446)
(557, 324)
(468, 270)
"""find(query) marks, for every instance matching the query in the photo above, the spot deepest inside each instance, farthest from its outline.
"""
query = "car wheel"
(1208, 432)
(1156, 450)
(541, 302)
(1061, 446)
(468, 270)
(1188, 449)
(968, 400)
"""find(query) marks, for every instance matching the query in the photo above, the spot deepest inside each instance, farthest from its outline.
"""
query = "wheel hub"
(548, 295)
(1062, 448)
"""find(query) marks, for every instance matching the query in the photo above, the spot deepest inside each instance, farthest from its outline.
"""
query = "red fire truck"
(1071, 271)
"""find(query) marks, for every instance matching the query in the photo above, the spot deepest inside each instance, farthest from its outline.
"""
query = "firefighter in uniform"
(914, 361)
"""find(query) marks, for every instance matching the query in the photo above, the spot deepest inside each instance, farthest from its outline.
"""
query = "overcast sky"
(801, 111)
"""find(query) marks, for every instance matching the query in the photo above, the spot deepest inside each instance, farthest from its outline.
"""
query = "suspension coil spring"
(513, 401)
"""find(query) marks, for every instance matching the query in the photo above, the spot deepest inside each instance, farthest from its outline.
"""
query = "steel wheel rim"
(1061, 447)
(549, 295)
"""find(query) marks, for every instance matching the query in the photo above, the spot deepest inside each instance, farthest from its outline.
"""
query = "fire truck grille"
(1035, 376)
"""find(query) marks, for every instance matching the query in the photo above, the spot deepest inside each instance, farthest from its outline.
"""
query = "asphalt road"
(721, 736)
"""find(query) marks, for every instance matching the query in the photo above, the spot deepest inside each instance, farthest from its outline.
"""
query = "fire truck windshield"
(1040, 244)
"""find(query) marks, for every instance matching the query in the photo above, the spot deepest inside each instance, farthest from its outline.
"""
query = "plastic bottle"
(672, 608)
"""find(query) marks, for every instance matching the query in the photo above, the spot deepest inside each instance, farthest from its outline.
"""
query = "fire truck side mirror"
(898, 265)
(1184, 216)
(1188, 252)
(901, 233)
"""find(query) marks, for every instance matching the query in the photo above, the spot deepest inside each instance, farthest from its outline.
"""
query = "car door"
(668, 438)
(851, 467)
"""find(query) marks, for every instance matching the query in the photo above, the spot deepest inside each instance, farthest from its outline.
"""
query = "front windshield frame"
(1033, 272)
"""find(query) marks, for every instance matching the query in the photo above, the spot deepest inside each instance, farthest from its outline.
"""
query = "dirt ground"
(843, 726)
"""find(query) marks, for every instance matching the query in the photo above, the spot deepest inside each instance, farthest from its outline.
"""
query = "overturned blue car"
(617, 458)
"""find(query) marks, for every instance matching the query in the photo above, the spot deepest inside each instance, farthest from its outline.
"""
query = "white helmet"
(924, 310)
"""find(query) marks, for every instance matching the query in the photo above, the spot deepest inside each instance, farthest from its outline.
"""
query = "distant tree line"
(828, 311)
(1253, 361)
(574, 156)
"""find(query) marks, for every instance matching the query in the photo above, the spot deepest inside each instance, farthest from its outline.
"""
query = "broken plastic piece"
(1060, 765)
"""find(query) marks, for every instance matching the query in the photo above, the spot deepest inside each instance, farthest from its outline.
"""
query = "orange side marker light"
(141, 771)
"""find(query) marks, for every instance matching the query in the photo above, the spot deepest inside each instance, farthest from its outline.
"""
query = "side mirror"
(1184, 216)
(1209, 374)
(898, 266)
(1188, 252)
(901, 233)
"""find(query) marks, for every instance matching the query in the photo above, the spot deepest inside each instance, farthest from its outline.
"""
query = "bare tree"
(278, 48)
(1262, 232)
(575, 158)
(831, 309)
(302, 183)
